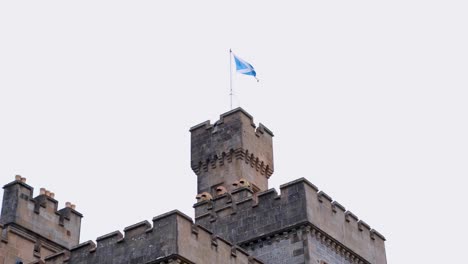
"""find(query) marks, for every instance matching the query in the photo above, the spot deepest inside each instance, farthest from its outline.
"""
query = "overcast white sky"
(367, 100)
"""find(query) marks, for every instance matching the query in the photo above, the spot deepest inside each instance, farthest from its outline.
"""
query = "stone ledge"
(228, 157)
(306, 227)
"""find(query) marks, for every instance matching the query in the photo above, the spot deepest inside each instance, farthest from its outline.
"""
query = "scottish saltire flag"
(244, 67)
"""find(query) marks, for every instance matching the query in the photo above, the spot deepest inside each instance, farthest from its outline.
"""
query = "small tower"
(32, 226)
(231, 152)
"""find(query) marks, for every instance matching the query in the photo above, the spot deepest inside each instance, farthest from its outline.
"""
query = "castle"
(237, 218)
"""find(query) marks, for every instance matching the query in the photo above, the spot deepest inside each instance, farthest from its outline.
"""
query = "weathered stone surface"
(171, 237)
(246, 220)
(33, 228)
(231, 149)
(40, 215)
(234, 224)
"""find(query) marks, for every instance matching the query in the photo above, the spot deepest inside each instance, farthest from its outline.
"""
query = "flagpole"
(230, 74)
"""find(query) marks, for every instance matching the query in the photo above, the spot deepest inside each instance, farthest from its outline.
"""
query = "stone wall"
(40, 214)
(346, 228)
(33, 228)
(319, 250)
(17, 244)
(248, 219)
(284, 248)
(172, 238)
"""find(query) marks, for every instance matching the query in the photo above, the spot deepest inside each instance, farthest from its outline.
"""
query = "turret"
(39, 215)
(230, 153)
(233, 160)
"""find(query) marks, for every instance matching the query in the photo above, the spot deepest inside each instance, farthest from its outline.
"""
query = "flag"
(244, 67)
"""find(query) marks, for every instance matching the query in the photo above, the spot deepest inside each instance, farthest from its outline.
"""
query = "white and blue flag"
(244, 67)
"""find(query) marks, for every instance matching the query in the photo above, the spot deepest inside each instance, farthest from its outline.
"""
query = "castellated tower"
(238, 219)
(231, 152)
(33, 227)
(233, 161)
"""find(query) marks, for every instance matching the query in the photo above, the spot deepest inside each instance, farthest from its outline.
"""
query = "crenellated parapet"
(230, 149)
(170, 238)
(39, 216)
(250, 220)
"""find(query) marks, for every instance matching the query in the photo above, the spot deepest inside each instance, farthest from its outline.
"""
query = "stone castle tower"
(237, 218)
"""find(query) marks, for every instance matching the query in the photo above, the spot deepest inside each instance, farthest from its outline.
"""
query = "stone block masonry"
(256, 222)
(171, 238)
(231, 149)
(238, 220)
(33, 227)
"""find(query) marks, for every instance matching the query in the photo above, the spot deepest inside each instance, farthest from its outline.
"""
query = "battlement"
(171, 238)
(245, 218)
(225, 118)
(40, 214)
(230, 149)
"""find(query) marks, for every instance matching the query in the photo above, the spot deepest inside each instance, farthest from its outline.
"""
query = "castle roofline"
(313, 209)
(171, 237)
